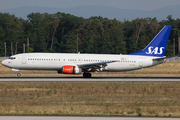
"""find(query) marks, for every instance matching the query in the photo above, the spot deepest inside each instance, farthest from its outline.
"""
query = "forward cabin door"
(23, 59)
(140, 62)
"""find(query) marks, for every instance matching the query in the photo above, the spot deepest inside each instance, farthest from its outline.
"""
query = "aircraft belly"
(121, 67)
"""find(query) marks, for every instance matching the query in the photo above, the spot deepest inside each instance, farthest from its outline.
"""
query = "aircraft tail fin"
(158, 45)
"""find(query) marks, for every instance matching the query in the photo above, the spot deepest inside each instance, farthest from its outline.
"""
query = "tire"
(18, 74)
(86, 75)
(89, 75)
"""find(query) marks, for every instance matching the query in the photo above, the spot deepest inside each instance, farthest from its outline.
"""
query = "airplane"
(77, 63)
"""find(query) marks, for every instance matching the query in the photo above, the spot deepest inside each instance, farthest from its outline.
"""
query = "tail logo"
(155, 50)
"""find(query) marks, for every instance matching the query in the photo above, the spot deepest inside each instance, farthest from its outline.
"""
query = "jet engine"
(68, 69)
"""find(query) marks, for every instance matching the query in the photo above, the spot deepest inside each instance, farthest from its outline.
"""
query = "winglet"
(158, 45)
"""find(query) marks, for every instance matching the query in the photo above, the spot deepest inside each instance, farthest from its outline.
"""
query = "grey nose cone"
(2, 63)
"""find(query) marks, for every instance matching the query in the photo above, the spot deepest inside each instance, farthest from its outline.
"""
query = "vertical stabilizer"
(158, 45)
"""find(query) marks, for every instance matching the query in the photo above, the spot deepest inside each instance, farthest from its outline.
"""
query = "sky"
(124, 4)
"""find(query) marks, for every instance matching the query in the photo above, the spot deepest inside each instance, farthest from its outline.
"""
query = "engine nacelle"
(68, 69)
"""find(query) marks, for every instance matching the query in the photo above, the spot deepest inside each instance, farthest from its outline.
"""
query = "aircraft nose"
(3, 62)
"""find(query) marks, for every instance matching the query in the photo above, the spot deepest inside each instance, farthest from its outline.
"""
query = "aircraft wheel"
(18, 74)
(89, 75)
(86, 75)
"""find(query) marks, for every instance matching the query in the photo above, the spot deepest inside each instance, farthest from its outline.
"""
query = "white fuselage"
(55, 61)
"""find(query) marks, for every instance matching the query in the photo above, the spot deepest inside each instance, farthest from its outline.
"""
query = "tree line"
(59, 33)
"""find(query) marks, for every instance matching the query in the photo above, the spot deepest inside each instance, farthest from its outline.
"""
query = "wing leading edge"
(99, 66)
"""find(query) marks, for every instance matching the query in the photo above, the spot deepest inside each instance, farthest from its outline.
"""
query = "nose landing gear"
(18, 74)
(86, 75)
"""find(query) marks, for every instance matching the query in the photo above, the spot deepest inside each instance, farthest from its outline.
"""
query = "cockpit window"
(12, 58)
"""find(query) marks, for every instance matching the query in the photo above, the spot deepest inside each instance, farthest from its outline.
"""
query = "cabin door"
(23, 59)
(140, 62)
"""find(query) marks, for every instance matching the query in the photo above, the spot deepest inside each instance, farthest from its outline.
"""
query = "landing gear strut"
(86, 75)
(18, 74)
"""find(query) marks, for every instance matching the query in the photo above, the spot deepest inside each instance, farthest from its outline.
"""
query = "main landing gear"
(86, 75)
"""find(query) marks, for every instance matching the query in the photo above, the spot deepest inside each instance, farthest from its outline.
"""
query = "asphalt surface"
(81, 118)
(93, 79)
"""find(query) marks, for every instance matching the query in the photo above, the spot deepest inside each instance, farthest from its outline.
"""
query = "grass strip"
(90, 98)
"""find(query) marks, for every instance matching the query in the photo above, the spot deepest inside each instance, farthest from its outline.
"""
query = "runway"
(93, 79)
(81, 118)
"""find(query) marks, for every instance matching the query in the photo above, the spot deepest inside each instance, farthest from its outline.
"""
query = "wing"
(92, 67)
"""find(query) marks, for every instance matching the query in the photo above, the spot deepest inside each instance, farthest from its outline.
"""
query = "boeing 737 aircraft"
(65, 63)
